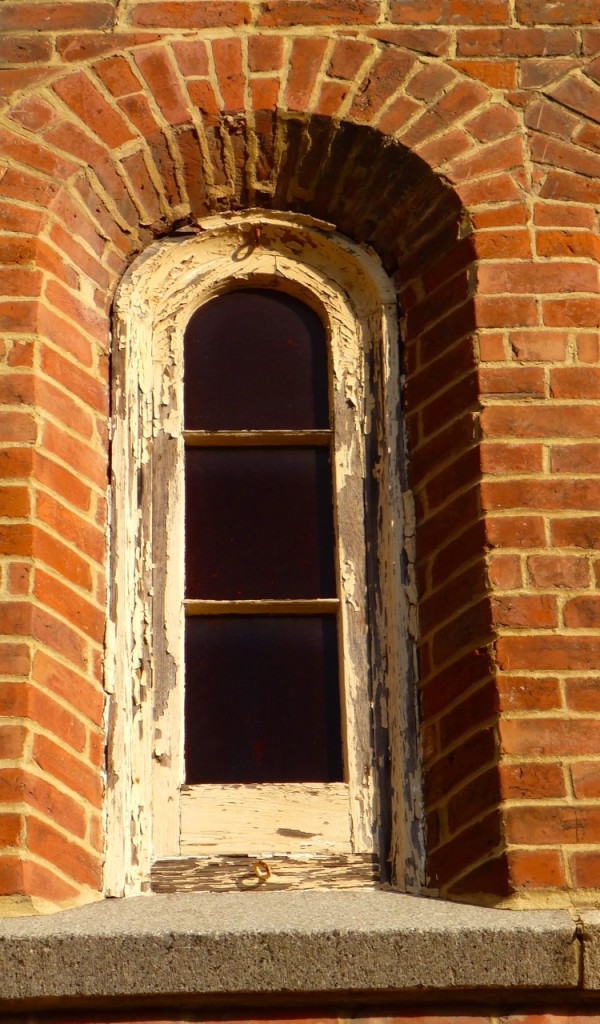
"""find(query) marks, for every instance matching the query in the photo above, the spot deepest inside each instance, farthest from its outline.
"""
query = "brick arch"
(140, 143)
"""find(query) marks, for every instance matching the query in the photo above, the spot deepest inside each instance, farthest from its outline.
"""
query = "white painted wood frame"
(151, 814)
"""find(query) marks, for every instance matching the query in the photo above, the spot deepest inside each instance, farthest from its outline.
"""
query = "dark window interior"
(262, 693)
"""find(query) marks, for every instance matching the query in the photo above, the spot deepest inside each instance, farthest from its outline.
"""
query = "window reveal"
(262, 692)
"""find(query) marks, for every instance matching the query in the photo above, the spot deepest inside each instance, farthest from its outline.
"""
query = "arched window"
(257, 538)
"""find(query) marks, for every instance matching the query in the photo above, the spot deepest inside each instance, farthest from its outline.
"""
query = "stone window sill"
(208, 948)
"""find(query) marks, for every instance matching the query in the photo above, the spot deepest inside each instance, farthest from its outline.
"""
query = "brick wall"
(459, 138)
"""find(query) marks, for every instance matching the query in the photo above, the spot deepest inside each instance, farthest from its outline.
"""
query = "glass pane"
(255, 360)
(262, 700)
(259, 523)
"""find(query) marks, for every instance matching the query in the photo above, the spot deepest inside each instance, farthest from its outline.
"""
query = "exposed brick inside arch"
(125, 137)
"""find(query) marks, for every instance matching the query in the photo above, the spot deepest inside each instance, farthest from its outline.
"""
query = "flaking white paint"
(349, 290)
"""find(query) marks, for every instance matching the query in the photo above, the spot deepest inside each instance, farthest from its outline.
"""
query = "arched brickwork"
(392, 148)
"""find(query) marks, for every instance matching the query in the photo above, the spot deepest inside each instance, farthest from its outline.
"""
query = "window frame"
(347, 287)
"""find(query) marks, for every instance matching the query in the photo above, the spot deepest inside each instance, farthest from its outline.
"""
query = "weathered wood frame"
(347, 287)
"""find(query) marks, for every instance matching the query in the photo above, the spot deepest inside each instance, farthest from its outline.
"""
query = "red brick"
(531, 781)
(540, 421)
(473, 12)
(70, 857)
(203, 96)
(72, 772)
(512, 381)
(504, 571)
(478, 751)
(384, 77)
(470, 845)
(62, 482)
(543, 737)
(564, 155)
(588, 347)
(192, 58)
(539, 345)
(453, 104)
(474, 799)
(535, 74)
(77, 91)
(116, 75)
(23, 787)
(10, 825)
(585, 866)
(491, 347)
(72, 15)
(52, 552)
(89, 45)
(511, 458)
(305, 63)
(538, 277)
(283, 13)
(562, 215)
(15, 660)
(69, 686)
(572, 312)
(528, 693)
(74, 379)
(525, 611)
(551, 571)
(346, 59)
(550, 825)
(19, 576)
(12, 741)
(554, 653)
(500, 311)
(574, 188)
(591, 40)
(67, 603)
(17, 427)
(497, 74)
(582, 612)
(541, 494)
(501, 216)
(264, 93)
(191, 14)
(19, 218)
(417, 11)
(504, 244)
(429, 81)
(586, 777)
(329, 100)
(583, 694)
(536, 869)
(265, 53)
(27, 49)
(22, 877)
(513, 42)
(160, 75)
(434, 42)
(540, 12)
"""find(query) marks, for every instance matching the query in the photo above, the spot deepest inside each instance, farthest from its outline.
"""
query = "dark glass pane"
(255, 360)
(259, 523)
(262, 699)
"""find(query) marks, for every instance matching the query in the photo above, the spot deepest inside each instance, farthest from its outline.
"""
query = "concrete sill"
(215, 948)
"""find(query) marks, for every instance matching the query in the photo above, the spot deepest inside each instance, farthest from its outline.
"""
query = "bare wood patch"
(248, 874)
(301, 817)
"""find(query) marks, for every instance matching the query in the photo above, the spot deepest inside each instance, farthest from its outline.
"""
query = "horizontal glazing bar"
(255, 438)
(315, 606)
